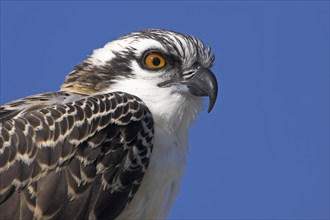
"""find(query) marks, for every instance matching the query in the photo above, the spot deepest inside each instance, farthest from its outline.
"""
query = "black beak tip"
(211, 88)
(212, 98)
(211, 105)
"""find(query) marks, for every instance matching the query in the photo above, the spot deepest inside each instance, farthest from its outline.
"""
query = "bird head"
(166, 69)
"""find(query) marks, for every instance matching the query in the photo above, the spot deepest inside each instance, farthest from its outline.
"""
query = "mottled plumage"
(113, 142)
(96, 148)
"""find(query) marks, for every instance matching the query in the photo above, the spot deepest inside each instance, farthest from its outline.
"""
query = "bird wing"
(30, 103)
(81, 159)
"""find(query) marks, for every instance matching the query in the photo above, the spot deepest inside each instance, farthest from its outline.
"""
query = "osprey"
(112, 143)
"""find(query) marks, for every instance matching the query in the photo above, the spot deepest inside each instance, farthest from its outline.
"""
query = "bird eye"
(154, 61)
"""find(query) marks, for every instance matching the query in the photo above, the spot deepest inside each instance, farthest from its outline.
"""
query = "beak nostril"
(189, 74)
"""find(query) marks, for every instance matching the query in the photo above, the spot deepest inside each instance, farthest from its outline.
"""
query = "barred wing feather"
(80, 159)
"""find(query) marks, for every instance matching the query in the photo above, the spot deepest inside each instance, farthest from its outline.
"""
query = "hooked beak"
(202, 82)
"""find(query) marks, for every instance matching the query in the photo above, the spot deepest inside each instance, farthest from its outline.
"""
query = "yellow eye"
(154, 61)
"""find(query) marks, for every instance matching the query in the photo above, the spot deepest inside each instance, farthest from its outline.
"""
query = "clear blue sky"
(263, 152)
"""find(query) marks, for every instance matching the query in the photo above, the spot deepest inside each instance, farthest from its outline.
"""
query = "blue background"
(263, 152)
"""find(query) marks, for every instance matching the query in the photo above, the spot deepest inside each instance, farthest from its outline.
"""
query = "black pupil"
(156, 61)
